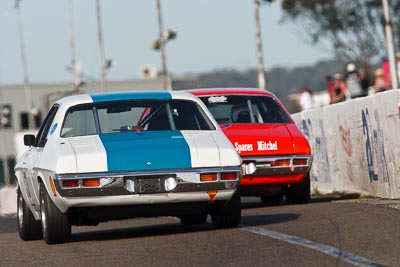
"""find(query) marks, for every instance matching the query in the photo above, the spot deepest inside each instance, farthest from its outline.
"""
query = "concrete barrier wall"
(8, 200)
(356, 145)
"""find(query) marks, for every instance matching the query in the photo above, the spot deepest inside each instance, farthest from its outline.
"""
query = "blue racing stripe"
(130, 95)
(146, 150)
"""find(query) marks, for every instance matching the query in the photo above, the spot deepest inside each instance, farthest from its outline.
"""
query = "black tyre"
(56, 226)
(227, 214)
(272, 199)
(299, 193)
(28, 227)
(194, 219)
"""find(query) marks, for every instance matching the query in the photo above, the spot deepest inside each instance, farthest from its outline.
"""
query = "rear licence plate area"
(146, 184)
(153, 185)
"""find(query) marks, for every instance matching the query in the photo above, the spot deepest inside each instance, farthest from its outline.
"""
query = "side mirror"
(29, 140)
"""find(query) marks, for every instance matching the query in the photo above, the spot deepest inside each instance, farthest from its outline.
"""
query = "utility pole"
(260, 65)
(166, 78)
(389, 44)
(75, 78)
(27, 87)
(3, 163)
(103, 67)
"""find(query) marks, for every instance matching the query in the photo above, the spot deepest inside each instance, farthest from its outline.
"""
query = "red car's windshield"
(230, 109)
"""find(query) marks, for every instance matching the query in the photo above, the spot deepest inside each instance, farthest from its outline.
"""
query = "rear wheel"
(194, 219)
(28, 227)
(299, 193)
(227, 214)
(56, 226)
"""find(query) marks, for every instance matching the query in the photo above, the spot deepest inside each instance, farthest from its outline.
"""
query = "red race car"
(276, 155)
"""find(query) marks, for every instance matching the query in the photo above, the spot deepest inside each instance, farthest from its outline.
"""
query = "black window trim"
(40, 140)
(93, 107)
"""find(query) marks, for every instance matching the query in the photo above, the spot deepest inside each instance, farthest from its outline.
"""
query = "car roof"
(230, 91)
(124, 95)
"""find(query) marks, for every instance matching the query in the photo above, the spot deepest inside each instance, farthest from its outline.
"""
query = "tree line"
(354, 30)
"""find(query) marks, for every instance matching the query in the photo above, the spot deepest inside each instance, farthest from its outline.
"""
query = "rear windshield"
(134, 116)
(231, 109)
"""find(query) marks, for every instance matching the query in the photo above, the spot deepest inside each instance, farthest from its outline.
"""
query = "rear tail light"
(280, 163)
(70, 183)
(299, 161)
(229, 176)
(208, 177)
(91, 182)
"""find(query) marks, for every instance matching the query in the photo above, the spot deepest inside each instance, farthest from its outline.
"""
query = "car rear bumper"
(250, 180)
(143, 188)
(279, 165)
(148, 199)
(277, 169)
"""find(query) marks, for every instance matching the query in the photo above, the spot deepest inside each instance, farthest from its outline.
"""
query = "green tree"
(354, 29)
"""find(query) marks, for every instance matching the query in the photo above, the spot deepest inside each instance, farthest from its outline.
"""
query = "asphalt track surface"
(326, 232)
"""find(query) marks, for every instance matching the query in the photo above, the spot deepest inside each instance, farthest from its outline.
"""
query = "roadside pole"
(260, 60)
(73, 63)
(389, 44)
(166, 78)
(2, 145)
(103, 73)
(27, 87)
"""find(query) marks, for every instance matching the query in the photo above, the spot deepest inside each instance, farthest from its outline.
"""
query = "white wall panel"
(356, 145)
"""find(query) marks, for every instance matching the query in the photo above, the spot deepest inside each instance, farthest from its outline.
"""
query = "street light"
(105, 65)
(27, 87)
(159, 44)
(166, 35)
(260, 60)
(72, 44)
(75, 67)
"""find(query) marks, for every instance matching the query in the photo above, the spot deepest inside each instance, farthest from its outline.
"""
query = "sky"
(211, 34)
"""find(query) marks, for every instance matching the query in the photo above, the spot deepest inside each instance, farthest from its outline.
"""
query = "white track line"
(332, 251)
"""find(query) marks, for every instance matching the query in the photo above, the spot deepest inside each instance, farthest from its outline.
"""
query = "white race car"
(100, 157)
